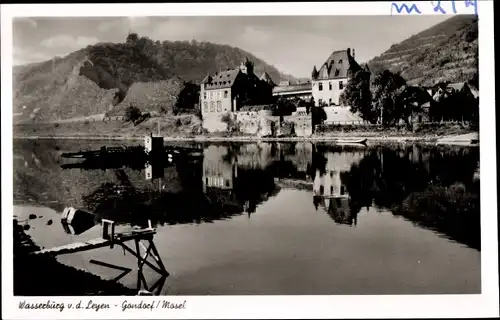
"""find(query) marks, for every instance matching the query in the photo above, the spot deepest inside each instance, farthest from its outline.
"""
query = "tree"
(132, 37)
(188, 97)
(132, 113)
(358, 97)
(387, 86)
(318, 116)
(283, 107)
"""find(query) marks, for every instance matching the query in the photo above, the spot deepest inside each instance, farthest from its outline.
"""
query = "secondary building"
(329, 82)
(301, 91)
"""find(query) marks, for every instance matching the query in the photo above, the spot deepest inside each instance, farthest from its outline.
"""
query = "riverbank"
(455, 134)
(450, 139)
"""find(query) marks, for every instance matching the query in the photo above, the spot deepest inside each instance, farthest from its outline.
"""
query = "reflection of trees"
(434, 188)
(318, 161)
(253, 186)
(339, 209)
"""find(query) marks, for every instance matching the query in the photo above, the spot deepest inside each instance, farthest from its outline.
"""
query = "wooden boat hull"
(355, 142)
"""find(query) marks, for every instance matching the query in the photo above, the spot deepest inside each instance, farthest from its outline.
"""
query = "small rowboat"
(359, 141)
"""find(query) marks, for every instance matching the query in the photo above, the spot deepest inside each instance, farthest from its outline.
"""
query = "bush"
(266, 107)
(132, 114)
(185, 120)
(226, 117)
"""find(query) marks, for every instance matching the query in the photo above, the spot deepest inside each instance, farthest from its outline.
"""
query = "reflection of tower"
(154, 171)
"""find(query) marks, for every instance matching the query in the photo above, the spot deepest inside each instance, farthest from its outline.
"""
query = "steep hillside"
(107, 77)
(445, 52)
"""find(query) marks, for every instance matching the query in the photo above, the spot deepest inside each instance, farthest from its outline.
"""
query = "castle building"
(329, 82)
(229, 90)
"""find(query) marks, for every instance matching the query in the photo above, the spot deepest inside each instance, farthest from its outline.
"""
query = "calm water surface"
(259, 218)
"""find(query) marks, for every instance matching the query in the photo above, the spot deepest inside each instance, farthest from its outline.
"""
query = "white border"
(421, 306)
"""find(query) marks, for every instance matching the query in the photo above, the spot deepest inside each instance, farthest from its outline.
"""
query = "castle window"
(205, 106)
(341, 85)
(340, 61)
(330, 101)
(337, 72)
(330, 85)
(320, 86)
(225, 92)
(219, 106)
(204, 95)
(212, 106)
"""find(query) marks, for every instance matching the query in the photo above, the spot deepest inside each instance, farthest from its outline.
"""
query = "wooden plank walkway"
(97, 243)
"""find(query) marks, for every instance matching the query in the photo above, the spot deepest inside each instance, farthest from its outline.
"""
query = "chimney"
(348, 51)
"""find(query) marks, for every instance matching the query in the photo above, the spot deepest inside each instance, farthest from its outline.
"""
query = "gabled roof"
(458, 86)
(337, 65)
(222, 79)
(265, 77)
(418, 95)
(365, 67)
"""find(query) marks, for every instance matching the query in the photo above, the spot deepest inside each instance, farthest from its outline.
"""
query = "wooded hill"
(107, 77)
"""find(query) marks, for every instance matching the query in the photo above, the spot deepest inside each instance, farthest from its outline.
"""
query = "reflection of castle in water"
(226, 180)
(328, 189)
(218, 173)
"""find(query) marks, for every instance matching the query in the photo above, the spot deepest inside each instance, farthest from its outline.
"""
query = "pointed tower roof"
(207, 79)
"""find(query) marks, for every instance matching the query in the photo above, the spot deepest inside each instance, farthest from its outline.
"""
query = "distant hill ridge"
(445, 52)
(105, 77)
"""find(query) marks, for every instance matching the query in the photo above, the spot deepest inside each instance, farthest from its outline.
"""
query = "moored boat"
(358, 141)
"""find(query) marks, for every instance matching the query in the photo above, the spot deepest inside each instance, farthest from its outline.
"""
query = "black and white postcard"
(249, 160)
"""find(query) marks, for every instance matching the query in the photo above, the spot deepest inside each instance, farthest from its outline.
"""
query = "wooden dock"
(97, 243)
(110, 239)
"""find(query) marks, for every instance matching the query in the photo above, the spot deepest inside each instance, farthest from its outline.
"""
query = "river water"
(264, 218)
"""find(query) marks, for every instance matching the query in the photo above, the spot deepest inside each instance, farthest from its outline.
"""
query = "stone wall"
(261, 123)
(302, 126)
(212, 122)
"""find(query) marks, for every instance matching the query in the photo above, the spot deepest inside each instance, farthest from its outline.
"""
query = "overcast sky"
(293, 44)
